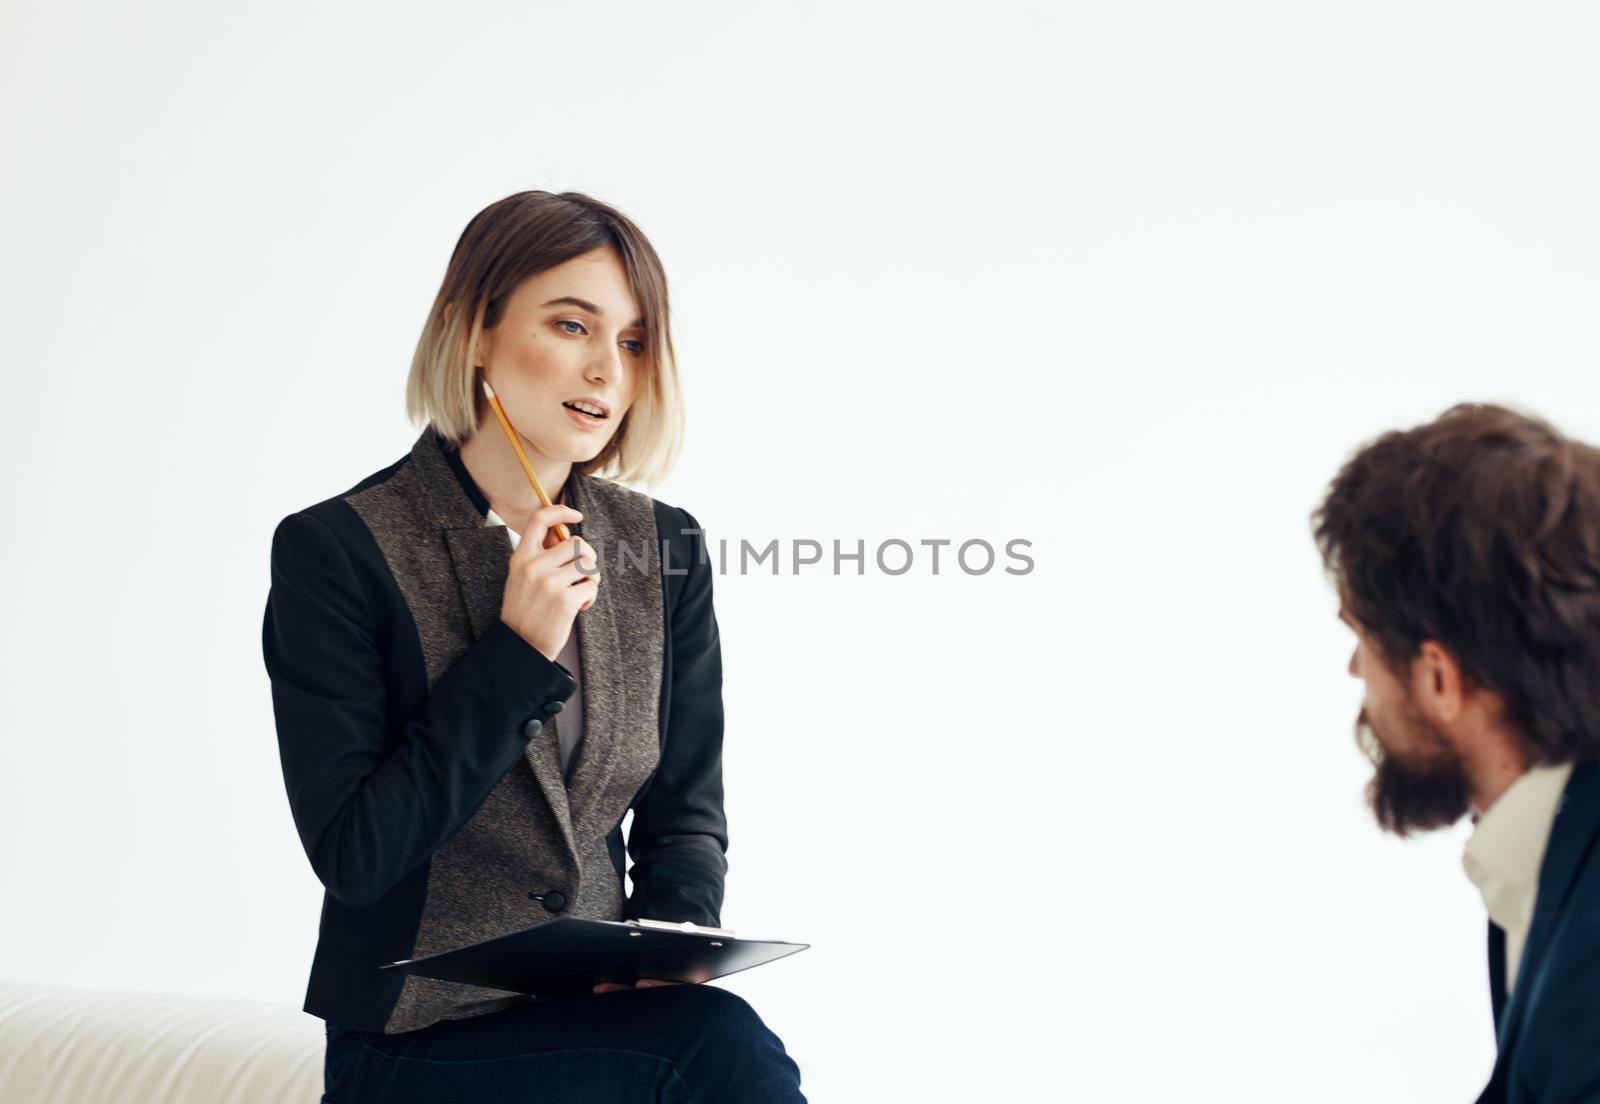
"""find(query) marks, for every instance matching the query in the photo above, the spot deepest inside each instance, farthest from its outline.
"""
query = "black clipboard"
(571, 955)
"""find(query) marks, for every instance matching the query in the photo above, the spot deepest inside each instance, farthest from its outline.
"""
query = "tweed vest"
(535, 832)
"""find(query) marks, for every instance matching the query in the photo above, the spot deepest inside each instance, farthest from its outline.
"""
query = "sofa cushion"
(63, 1044)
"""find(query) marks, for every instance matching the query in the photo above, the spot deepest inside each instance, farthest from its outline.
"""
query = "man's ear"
(1437, 684)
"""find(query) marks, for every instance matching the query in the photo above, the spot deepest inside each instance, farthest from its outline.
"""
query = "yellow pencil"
(522, 457)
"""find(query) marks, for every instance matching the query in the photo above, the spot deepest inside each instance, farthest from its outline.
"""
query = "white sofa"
(64, 1044)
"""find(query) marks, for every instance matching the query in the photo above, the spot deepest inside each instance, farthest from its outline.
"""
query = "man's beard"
(1425, 790)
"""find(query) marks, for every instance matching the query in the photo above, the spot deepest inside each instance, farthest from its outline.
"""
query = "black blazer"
(417, 731)
(1549, 1031)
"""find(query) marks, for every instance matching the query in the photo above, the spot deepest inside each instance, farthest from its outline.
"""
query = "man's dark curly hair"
(1480, 530)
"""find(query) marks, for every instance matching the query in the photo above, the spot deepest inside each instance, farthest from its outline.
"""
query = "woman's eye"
(637, 347)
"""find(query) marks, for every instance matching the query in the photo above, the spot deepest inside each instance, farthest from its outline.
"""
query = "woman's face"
(569, 334)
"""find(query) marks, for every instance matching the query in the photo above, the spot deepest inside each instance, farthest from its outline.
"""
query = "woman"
(423, 631)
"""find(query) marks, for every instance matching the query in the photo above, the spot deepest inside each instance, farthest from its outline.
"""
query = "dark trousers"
(680, 1044)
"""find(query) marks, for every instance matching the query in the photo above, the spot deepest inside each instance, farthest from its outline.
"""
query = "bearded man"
(1466, 556)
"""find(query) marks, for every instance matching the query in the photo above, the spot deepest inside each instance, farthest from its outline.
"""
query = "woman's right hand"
(544, 587)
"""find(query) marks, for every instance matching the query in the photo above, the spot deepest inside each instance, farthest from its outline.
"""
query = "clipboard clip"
(684, 926)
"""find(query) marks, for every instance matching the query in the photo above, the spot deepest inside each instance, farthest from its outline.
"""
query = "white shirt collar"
(1507, 846)
(493, 518)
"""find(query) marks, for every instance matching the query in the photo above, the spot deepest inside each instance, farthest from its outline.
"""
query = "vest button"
(555, 900)
(533, 728)
(553, 705)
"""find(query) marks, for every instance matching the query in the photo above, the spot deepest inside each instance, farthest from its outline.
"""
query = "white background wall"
(1125, 280)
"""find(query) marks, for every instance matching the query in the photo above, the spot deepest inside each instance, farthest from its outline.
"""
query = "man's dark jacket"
(1549, 1031)
(417, 731)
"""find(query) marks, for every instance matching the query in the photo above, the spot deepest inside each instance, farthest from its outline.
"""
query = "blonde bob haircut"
(504, 244)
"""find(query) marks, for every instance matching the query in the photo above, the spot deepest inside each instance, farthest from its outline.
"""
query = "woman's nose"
(607, 367)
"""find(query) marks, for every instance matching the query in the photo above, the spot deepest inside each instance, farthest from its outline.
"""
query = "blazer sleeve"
(679, 837)
(370, 808)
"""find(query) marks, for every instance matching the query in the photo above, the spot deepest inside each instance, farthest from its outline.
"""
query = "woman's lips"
(585, 420)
